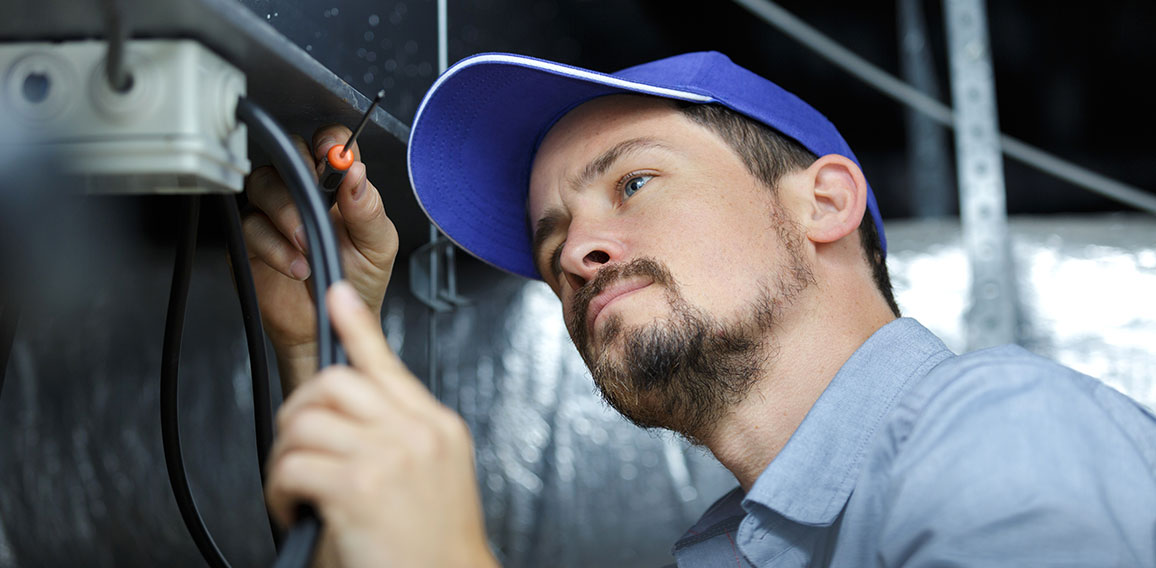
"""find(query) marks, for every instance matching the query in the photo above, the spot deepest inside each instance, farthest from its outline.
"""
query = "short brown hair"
(769, 155)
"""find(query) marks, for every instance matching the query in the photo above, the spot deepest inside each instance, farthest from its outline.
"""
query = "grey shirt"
(914, 456)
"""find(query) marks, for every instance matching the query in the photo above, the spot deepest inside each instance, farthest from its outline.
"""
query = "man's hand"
(389, 469)
(275, 237)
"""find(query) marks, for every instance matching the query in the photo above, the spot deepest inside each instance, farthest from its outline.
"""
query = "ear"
(837, 198)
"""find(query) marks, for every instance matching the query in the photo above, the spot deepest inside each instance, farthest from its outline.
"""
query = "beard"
(682, 374)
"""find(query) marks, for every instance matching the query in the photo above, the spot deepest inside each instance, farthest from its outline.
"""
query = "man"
(719, 257)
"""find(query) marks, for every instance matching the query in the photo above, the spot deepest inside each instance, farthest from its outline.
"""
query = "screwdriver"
(339, 159)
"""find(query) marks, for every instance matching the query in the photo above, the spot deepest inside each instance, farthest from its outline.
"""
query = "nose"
(589, 247)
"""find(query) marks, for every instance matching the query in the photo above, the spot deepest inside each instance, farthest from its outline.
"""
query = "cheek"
(721, 256)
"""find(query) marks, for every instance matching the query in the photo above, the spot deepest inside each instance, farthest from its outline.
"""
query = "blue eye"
(635, 183)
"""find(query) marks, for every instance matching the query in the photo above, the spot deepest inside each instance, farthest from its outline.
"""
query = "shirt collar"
(812, 477)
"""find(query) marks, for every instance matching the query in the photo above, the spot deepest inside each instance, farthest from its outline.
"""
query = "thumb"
(370, 229)
(359, 330)
(361, 334)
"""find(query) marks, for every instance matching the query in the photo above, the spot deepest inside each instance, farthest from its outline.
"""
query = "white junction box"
(173, 130)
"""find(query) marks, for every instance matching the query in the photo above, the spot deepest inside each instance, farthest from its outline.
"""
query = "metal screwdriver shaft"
(339, 159)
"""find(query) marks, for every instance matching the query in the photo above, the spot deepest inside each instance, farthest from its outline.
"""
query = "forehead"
(602, 116)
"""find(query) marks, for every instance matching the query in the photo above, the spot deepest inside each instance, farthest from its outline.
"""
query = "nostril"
(597, 257)
(576, 281)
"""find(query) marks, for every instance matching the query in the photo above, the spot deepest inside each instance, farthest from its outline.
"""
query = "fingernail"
(302, 242)
(359, 191)
(300, 269)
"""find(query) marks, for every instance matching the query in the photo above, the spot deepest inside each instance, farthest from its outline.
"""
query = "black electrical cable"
(299, 544)
(170, 363)
(254, 337)
(9, 318)
(298, 547)
(115, 68)
(323, 253)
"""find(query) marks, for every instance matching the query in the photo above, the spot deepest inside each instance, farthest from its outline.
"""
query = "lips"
(611, 293)
(610, 283)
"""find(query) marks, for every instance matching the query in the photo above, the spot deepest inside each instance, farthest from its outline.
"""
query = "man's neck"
(756, 429)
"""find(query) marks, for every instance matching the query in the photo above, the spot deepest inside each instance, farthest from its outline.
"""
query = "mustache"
(576, 318)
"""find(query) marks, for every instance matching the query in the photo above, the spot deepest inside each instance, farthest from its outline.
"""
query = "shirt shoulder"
(979, 393)
(1001, 452)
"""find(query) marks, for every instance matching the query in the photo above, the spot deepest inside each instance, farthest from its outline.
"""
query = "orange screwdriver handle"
(337, 163)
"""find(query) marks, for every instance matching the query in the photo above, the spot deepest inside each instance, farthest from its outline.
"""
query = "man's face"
(670, 258)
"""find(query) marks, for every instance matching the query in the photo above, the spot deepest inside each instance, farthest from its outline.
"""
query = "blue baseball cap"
(475, 134)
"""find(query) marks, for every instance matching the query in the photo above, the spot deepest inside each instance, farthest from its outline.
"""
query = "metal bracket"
(993, 316)
(429, 283)
(928, 158)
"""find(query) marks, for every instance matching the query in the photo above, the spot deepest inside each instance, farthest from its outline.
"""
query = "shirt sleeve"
(1010, 463)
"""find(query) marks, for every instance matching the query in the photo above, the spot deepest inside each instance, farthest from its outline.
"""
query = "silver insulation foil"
(1086, 289)
(564, 480)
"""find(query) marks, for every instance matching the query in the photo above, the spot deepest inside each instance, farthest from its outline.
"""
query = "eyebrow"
(598, 166)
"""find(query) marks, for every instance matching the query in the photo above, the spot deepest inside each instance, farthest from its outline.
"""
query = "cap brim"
(474, 137)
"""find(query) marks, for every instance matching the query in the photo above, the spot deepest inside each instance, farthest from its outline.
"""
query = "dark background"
(1068, 75)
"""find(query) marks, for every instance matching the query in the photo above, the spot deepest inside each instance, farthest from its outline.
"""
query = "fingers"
(303, 149)
(360, 333)
(301, 477)
(321, 425)
(266, 243)
(369, 229)
(267, 192)
(361, 214)
(327, 136)
(338, 388)
(316, 429)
